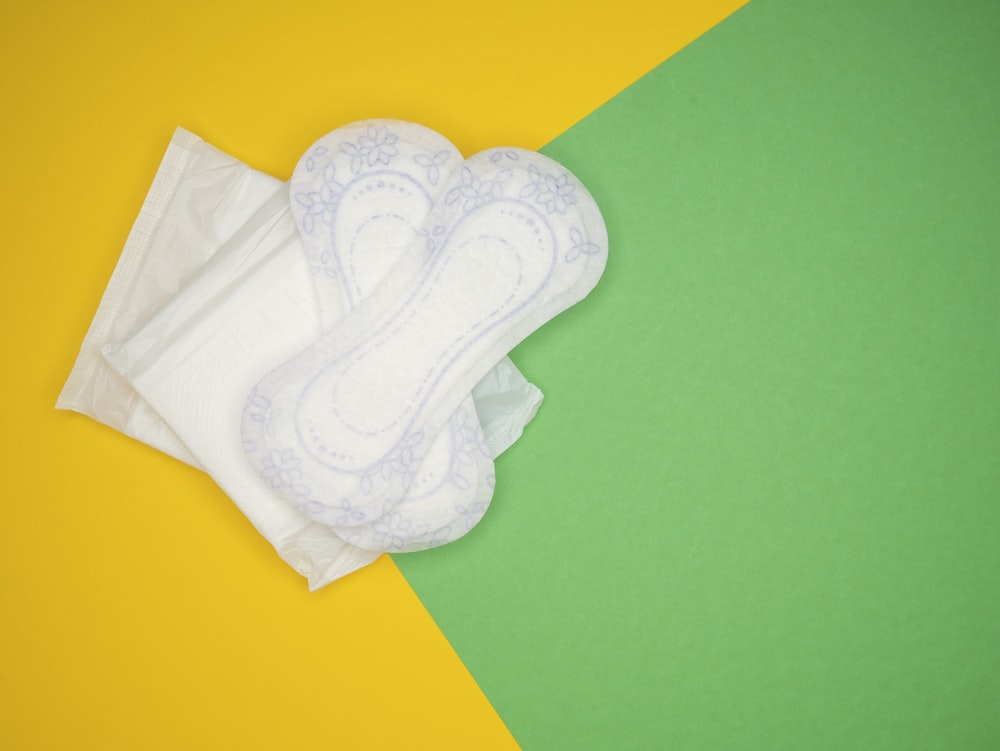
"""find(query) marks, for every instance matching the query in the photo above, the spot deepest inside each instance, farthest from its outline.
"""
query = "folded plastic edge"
(137, 246)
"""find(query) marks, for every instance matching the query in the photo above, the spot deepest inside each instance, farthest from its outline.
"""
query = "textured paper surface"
(762, 510)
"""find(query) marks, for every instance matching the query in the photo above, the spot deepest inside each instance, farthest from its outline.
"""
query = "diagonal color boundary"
(759, 507)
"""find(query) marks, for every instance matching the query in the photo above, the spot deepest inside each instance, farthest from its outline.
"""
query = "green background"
(760, 506)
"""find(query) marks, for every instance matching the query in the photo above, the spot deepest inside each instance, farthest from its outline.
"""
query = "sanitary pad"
(512, 240)
(361, 196)
(200, 197)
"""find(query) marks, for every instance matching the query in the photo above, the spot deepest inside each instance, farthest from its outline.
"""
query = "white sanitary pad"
(361, 196)
(512, 240)
(200, 318)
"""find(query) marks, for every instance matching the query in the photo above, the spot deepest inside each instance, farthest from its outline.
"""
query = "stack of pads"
(332, 350)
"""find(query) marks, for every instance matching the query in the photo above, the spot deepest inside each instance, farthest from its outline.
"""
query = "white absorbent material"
(199, 318)
(512, 240)
(194, 357)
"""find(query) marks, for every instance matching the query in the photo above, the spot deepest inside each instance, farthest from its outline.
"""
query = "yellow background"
(140, 610)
